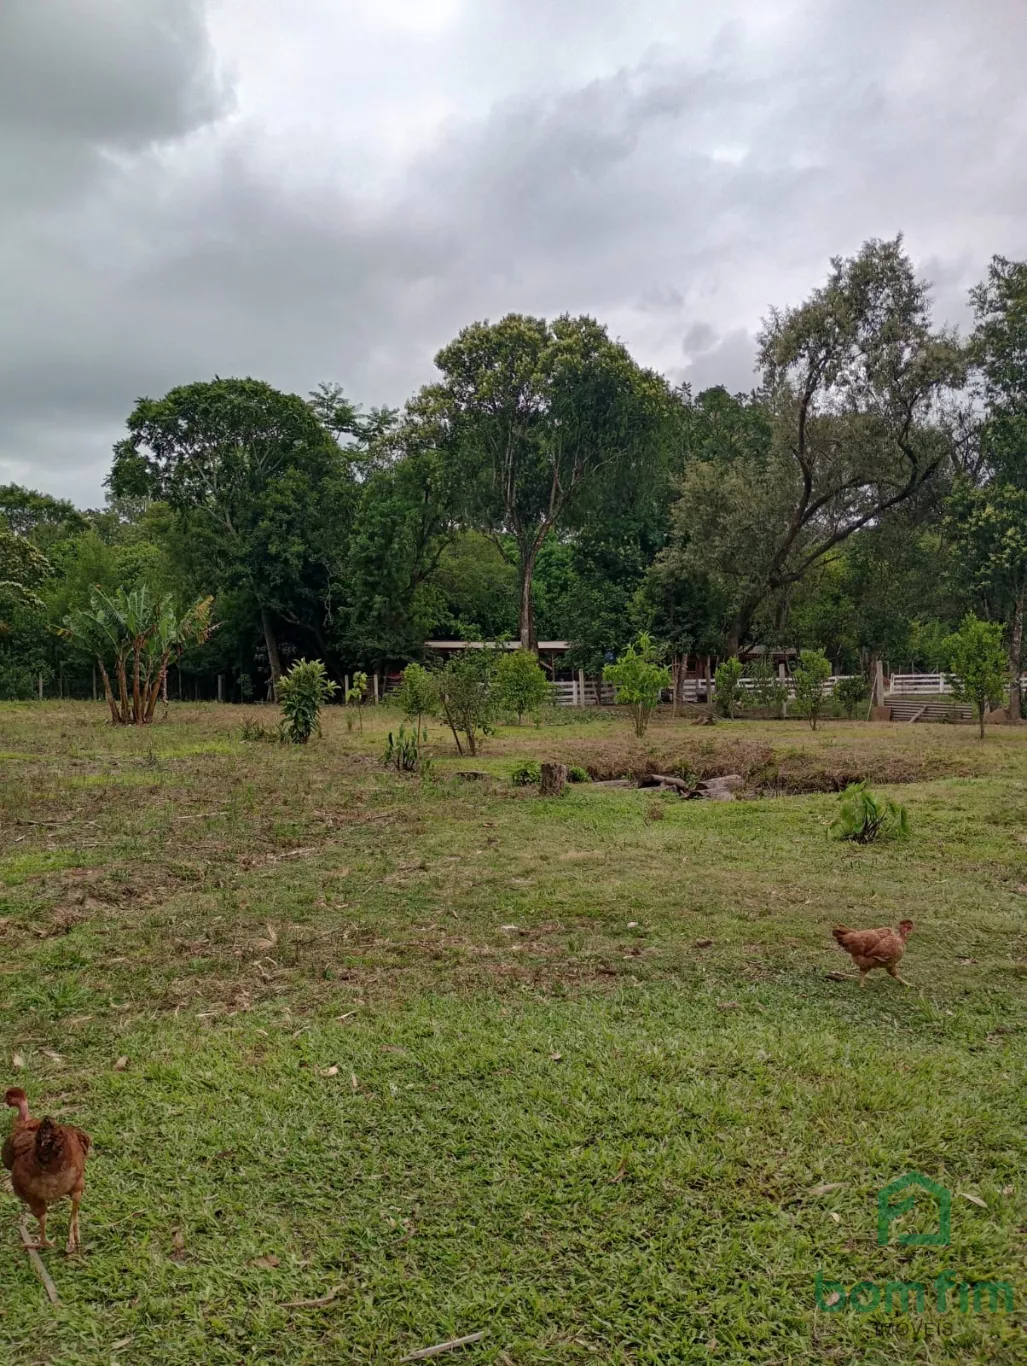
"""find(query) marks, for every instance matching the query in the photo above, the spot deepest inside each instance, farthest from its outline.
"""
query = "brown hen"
(47, 1161)
(880, 948)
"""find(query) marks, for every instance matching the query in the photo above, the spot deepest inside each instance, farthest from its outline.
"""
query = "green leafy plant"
(639, 679)
(403, 752)
(521, 684)
(303, 691)
(864, 817)
(526, 775)
(766, 692)
(980, 665)
(467, 697)
(811, 675)
(850, 692)
(726, 680)
(135, 634)
(418, 694)
(354, 697)
(578, 775)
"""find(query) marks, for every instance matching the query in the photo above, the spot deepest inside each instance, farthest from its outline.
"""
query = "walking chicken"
(47, 1161)
(881, 948)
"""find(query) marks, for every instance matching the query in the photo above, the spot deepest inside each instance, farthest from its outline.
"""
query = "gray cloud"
(378, 175)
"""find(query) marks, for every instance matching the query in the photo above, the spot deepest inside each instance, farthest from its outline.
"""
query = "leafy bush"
(864, 817)
(639, 680)
(403, 752)
(810, 684)
(354, 697)
(526, 775)
(850, 692)
(980, 667)
(418, 694)
(303, 691)
(578, 775)
(521, 684)
(726, 681)
(467, 697)
(766, 692)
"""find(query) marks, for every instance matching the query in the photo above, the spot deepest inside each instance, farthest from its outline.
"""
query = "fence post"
(581, 687)
(94, 682)
(345, 694)
(221, 687)
(40, 687)
(376, 689)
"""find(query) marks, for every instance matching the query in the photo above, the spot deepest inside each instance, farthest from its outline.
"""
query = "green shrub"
(403, 752)
(521, 684)
(850, 692)
(864, 817)
(980, 666)
(726, 681)
(766, 692)
(467, 697)
(526, 775)
(810, 684)
(418, 694)
(639, 680)
(303, 691)
(578, 775)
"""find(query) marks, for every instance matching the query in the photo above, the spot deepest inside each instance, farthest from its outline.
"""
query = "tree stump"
(554, 779)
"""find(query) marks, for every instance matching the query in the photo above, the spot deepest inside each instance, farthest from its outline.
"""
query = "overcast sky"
(329, 190)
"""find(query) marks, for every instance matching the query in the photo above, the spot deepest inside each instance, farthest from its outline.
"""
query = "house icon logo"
(889, 1209)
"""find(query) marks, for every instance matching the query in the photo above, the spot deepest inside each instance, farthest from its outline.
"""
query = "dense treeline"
(869, 492)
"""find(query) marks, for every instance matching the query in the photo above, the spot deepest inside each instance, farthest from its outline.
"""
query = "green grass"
(560, 1115)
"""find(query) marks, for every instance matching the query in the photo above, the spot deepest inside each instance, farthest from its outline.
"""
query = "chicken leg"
(44, 1241)
(73, 1236)
(894, 972)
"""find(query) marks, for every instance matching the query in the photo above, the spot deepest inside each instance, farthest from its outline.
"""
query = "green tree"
(639, 679)
(851, 691)
(727, 681)
(521, 684)
(263, 494)
(304, 691)
(987, 528)
(467, 698)
(848, 425)
(137, 633)
(541, 417)
(811, 675)
(418, 695)
(980, 666)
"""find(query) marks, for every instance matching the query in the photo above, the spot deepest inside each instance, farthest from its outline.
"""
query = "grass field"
(455, 1059)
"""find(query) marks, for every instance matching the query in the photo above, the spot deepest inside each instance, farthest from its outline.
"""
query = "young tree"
(727, 680)
(847, 425)
(540, 415)
(466, 696)
(137, 634)
(980, 668)
(811, 675)
(262, 491)
(639, 679)
(418, 694)
(304, 690)
(521, 684)
(851, 691)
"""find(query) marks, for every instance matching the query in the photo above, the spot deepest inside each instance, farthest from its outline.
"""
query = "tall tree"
(540, 417)
(259, 485)
(853, 383)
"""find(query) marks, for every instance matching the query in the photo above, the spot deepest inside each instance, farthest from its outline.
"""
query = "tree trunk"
(1015, 648)
(982, 707)
(273, 657)
(554, 778)
(527, 616)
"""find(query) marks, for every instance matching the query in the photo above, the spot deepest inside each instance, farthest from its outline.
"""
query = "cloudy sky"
(330, 189)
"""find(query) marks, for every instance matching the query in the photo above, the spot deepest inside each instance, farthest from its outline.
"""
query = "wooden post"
(376, 689)
(40, 687)
(94, 683)
(345, 692)
(878, 688)
(221, 687)
(581, 687)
